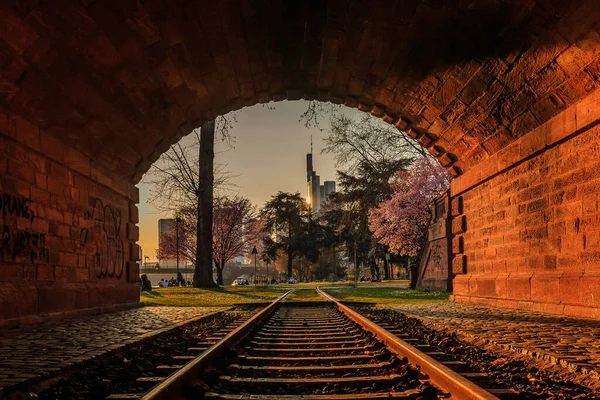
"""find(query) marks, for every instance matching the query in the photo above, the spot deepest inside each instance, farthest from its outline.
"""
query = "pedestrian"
(180, 279)
(146, 284)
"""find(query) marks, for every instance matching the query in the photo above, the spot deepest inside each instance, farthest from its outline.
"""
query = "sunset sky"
(269, 154)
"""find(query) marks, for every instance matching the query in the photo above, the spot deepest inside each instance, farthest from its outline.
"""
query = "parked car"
(292, 281)
(240, 281)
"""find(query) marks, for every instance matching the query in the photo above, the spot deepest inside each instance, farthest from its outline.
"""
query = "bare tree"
(315, 110)
(368, 141)
(184, 178)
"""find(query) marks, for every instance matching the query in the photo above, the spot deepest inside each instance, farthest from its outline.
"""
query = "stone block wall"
(68, 229)
(527, 222)
(434, 263)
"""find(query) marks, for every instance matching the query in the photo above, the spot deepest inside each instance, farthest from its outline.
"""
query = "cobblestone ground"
(33, 352)
(569, 342)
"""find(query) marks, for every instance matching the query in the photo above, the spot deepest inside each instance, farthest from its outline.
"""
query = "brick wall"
(527, 233)
(434, 263)
(68, 229)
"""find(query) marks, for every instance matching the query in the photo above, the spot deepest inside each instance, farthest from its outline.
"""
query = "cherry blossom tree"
(401, 222)
(236, 229)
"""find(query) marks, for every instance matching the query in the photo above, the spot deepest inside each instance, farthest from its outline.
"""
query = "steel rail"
(173, 386)
(443, 377)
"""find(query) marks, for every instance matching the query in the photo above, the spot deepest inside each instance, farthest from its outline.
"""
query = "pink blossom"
(401, 221)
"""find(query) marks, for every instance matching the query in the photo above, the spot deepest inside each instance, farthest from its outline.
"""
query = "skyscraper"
(165, 226)
(317, 193)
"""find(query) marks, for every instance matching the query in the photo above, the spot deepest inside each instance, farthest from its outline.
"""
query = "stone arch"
(466, 79)
(505, 94)
(427, 140)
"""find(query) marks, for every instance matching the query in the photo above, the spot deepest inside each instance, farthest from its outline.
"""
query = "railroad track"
(311, 351)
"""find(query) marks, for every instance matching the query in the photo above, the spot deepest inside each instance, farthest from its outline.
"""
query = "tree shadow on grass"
(152, 294)
(389, 293)
(253, 294)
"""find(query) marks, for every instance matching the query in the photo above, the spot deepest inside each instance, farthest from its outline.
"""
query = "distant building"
(317, 193)
(165, 227)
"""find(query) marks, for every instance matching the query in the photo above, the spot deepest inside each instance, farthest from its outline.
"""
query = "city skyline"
(317, 194)
(268, 155)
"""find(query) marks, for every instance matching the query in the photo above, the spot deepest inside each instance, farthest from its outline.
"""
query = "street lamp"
(255, 252)
(146, 264)
(177, 221)
(355, 265)
(387, 267)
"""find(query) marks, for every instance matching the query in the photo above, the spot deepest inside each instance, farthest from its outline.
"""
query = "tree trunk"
(386, 269)
(289, 251)
(373, 267)
(220, 268)
(219, 272)
(289, 263)
(203, 277)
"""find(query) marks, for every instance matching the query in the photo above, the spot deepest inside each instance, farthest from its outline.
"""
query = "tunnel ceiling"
(122, 80)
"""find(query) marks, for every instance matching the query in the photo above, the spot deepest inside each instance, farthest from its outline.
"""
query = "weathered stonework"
(65, 246)
(134, 77)
(92, 92)
(435, 266)
(533, 237)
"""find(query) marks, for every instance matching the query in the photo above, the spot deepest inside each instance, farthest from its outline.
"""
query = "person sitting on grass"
(146, 284)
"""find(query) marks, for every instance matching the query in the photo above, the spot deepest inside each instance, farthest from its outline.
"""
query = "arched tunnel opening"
(266, 159)
(93, 94)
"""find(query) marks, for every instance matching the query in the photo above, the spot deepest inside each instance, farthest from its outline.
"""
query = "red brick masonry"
(531, 222)
(68, 230)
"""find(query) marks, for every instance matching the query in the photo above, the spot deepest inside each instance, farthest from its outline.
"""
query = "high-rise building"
(317, 193)
(329, 187)
(165, 226)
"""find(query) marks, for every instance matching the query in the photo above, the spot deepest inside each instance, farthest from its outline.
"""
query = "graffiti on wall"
(437, 265)
(19, 245)
(102, 241)
(16, 206)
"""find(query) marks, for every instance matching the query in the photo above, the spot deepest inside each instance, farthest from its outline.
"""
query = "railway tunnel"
(504, 93)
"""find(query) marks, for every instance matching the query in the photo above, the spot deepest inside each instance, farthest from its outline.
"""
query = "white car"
(240, 281)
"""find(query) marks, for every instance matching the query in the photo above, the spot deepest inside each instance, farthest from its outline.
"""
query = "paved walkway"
(32, 352)
(570, 342)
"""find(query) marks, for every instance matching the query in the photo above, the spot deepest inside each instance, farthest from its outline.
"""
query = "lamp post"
(177, 221)
(146, 264)
(387, 266)
(355, 265)
(267, 273)
(255, 252)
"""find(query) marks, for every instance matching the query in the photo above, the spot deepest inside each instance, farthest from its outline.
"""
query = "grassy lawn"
(304, 295)
(229, 295)
(386, 295)
(223, 296)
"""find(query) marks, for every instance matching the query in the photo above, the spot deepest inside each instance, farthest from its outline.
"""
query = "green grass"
(386, 295)
(218, 297)
(304, 295)
(229, 295)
